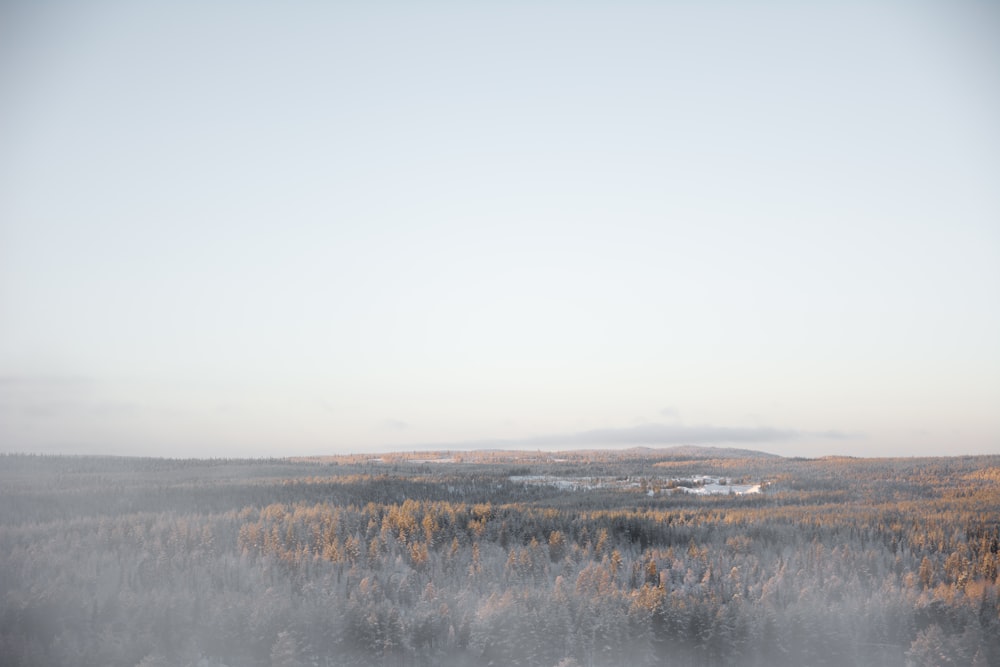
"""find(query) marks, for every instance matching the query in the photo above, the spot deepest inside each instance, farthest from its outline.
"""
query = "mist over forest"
(258, 229)
(683, 556)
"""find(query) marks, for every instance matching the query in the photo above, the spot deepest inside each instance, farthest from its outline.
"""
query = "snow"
(700, 485)
(719, 489)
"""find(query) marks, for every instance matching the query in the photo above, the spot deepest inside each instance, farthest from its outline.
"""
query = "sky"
(274, 229)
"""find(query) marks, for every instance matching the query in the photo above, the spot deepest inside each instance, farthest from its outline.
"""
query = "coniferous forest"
(681, 556)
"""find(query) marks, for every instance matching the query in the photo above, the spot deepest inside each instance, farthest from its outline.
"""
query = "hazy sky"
(248, 228)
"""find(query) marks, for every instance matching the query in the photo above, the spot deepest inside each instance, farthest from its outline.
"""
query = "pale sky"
(248, 228)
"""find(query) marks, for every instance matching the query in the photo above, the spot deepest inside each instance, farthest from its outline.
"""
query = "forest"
(674, 556)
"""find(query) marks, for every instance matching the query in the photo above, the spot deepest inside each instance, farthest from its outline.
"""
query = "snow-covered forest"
(480, 558)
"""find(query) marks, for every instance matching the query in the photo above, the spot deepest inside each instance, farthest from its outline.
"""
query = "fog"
(589, 557)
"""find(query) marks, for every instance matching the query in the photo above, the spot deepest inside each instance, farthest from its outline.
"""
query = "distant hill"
(705, 452)
(523, 456)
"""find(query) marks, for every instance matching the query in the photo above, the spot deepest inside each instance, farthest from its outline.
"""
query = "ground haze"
(640, 557)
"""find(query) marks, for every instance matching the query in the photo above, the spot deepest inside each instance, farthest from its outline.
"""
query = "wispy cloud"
(649, 434)
(19, 382)
(47, 397)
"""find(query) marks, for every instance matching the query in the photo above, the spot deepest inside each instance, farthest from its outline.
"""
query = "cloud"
(649, 434)
(395, 424)
(48, 397)
(45, 395)
(835, 435)
(117, 409)
(12, 382)
(50, 409)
